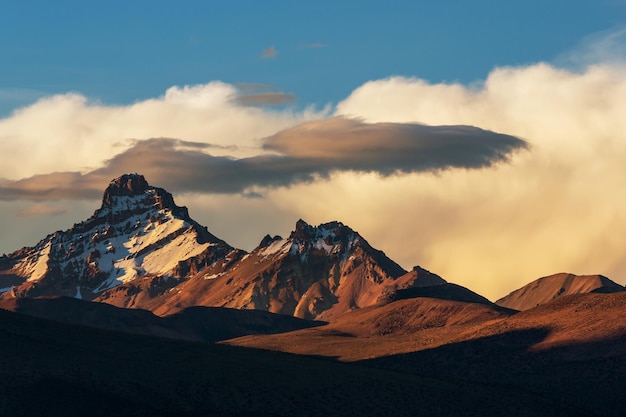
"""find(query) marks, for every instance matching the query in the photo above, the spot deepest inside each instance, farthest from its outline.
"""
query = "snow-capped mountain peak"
(131, 194)
(138, 231)
(305, 231)
(318, 271)
(331, 238)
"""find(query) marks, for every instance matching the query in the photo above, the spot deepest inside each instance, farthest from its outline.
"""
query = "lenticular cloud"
(304, 153)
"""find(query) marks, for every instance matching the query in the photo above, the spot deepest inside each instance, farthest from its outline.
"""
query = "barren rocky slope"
(550, 288)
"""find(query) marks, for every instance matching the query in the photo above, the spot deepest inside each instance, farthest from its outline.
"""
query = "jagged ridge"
(317, 272)
(141, 250)
(138, 231)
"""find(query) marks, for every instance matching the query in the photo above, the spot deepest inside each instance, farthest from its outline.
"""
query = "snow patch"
(167, 257)
(38, 266)
(320, 244)
(151, 241)
(280, 246)
(120, 255)
(213, 276)
(120, 204)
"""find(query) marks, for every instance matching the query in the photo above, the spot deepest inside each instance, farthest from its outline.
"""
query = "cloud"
(265, 99)
(270, 52)
(556, 208)
(53, 186)
(41, 210)
(604, 47)
(341, 143)
(301, 154)
(69, 132)
(259, 95)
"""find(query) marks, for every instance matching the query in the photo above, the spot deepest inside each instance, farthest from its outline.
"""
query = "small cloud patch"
(41, 210)
(270, 52)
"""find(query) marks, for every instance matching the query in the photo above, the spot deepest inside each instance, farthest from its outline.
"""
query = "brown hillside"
(548, 289)
(572, 350)
(400, 326)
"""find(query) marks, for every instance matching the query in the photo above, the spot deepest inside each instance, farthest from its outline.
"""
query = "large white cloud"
(68, 132)
(558, 207)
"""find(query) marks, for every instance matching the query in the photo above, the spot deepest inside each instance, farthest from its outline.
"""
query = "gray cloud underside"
(255, 94)
(265, 99)
(351, 144)
(300, 154)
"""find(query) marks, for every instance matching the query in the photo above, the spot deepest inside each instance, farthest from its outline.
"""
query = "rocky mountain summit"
(137, 232)
(317, 272)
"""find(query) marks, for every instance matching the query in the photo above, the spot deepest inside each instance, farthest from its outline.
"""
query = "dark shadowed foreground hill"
(53, 369)
(197, 324)
(572, 350)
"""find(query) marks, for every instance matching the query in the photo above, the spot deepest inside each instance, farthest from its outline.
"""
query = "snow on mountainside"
(137, 232)
(317, 272)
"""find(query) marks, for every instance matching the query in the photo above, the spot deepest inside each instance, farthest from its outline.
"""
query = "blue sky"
(528, 182)
(121, 52)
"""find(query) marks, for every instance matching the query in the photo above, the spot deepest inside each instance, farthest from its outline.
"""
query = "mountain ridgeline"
(141, 250)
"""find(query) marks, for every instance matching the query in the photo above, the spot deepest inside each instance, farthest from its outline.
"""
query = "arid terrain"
(140, 310)
(50, 368)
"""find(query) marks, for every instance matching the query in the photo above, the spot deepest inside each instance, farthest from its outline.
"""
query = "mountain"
(137, 233)
(318, 272)
(397, 326)
(550, 288)
(406, 317)
(418, 277)
(141, 250)
(206, 324)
